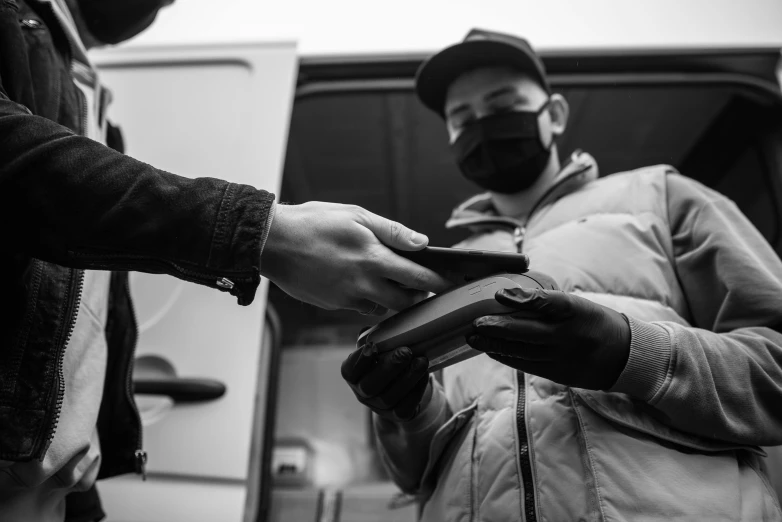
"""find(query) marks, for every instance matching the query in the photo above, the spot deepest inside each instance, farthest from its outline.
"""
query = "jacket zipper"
(525, 465)
(73, 313)
(84, 113)
(60, 378)
(520, 232)
(139, 455)
(530, 513)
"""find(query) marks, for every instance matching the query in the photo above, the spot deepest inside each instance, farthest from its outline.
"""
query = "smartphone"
(462, 265)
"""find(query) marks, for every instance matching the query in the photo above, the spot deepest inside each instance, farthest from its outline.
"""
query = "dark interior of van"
(358, 135)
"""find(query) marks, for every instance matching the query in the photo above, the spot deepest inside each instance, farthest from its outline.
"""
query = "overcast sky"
(358, 26)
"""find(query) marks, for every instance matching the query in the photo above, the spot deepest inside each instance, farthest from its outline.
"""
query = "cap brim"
(437, 74)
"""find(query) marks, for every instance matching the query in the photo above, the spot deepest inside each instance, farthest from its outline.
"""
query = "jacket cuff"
(429, 415)
(648, 363)
(267, 227)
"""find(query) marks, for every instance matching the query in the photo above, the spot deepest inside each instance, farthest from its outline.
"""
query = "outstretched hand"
(558, 336)
(337, 257)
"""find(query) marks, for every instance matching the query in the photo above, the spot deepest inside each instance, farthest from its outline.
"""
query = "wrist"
(273, 241)
(266, 229)
(620, 352)
(428, 411)
(648, 361)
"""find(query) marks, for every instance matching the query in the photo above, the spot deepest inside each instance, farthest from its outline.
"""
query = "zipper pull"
(225, 283)
(518, 237)
(141, 463)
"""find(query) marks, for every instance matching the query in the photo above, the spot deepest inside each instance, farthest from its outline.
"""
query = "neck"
(519, 205)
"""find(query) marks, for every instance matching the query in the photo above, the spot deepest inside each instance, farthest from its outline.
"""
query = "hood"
(580, 169)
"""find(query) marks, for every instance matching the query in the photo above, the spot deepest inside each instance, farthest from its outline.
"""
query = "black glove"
(395, 385)
(558, 336)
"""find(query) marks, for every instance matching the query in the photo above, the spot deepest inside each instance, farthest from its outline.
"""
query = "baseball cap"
(480, 48)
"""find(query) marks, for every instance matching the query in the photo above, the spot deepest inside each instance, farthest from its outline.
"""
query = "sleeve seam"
(666, 384)
(218, 235)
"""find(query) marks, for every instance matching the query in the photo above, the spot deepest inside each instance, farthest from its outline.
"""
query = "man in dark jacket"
(71, 204)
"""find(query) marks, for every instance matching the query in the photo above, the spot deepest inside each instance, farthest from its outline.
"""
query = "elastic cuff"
(267, 228)
(648, 363)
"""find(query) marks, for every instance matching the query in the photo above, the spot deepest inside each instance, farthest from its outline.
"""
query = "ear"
(559, 111)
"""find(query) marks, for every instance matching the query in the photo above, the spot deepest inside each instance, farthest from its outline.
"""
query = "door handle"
(181, 390)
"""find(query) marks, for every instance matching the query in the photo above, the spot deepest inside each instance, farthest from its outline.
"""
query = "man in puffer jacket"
(641, 391)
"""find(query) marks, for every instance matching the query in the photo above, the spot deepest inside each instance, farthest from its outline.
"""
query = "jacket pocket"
(640, 464)
(621, 409)
(451, 448)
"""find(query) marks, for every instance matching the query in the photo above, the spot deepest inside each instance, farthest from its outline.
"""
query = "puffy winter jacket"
(678, 436)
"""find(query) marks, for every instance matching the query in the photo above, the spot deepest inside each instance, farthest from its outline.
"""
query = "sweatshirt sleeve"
(722, 377)
(404, 446)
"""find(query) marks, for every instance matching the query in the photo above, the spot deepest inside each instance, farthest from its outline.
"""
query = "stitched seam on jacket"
(531, 450)
(219, 233)
(186, 263)
(673, 253)
(27, 320)
(12, 474)
(530, 227)
(581, 290)
(491, 226)
(590, 456)
(766, 484)
(474, 509)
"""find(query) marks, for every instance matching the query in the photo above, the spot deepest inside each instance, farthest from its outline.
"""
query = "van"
(245, 414)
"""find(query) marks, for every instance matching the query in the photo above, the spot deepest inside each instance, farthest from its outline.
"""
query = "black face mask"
(114, 21)
(503, 152)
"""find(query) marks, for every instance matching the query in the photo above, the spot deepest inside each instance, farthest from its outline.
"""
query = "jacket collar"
(64, 16)
(580, 169)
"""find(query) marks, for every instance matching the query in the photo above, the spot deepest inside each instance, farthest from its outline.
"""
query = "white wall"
(357, 26)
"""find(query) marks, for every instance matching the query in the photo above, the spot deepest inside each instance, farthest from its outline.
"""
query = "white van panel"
(220, 111)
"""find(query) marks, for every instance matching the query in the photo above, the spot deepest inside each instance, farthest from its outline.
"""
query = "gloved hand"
(561, 337)
(394, 385)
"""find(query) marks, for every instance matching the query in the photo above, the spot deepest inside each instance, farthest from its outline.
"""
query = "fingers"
(359, 363)
(512, 349)
(541, 369)
(542, 303)
(389, 367)
(406, 273)
(390, 295)
(370, 308)
(517, 329)
(392, 233)
(400, 388)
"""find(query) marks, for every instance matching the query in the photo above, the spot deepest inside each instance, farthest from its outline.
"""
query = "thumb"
(393, 234)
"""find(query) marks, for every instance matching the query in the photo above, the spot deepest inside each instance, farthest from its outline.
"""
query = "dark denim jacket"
(68, 203)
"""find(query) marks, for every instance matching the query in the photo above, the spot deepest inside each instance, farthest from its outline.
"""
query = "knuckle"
(355, 209)
(371, 260)
(421, 278)
(396, 230)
